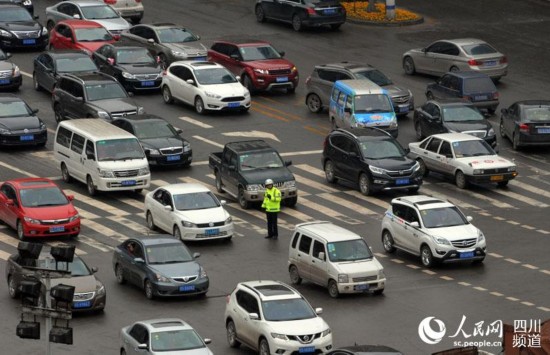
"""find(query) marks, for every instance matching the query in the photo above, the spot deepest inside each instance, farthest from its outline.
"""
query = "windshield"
(154, 129)
(97, 34)
(259, 53)
(105, 91)
(349, 250)
(374, 75)
(461, 113)
(195, 201)
(119, 149)
(176, 340)
(539, 113)
(473, 148)
(14, 109)
(372, 103)
(15, 14)
(134, 56)
(478, 49)
(263, 160)
(77, 267)
(99, 12)
(71, 65)
(381, 149)
(287, 309)
(168, 254)
(3, 55)
(175, 35)
(442, 217)
(43, 197)
(214, 76)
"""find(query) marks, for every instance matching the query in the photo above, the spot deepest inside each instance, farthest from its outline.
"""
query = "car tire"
(413, 190)
(242, 200)
(454, 69)
(365, 185)
(122, 352)
(231, 333)
(149, 290)
(58, 113)
(333, 289)
(515, 141)
(418, 131)
(408, 66)
(163, 61)
(291, 90)
(150, 221)
(260, 14)
(378, 292)
(20, 231)
(387, 242)
(423, 168)
(291, 202)
(430, 95)
(12, 287)
(50, 25)
(460, 180)
(314, 104)
(501, 128)
(199, 106)
(478, 262)
(65, 173)
(295, 278)
(502, 184)
(329, 172)
(92, 191)
(491, 110)
(177, 232)
(136, 20)
(426, 256)
(263, 347)
(119, 275)
(167, 95)
(297, 23)
(219, 184)
(35, 83)
(247, 83)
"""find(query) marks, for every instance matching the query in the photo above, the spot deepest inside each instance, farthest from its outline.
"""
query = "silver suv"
(319, 85)
(433, 229)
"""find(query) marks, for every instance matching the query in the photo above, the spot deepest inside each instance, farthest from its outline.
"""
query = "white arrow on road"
(254, 134)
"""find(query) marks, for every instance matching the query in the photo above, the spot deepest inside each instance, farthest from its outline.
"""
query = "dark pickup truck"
(242, 168)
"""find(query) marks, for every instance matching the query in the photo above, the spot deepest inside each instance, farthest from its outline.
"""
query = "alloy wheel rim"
(150, 223)
(425, 256)
(314, 103)
(11, 287)
(329, 171)
(231, 332)
(199, 106)
(166, 94)
(119, 273)
(20, 231)
(387, 242)
(363, 184)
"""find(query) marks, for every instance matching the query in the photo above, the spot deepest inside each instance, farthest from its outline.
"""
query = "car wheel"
(291, 90)
(426, 256)
(413, 190)
(149, 290)
(329, 172)
(50, 25)
(177, 232)
(167, 95)
(35, 83)
(150, 221)
(515, 141)
(247, 82)
(491, 110)
(242, 200)
(92, 191)
(58, 113)
(122, 352)
(502, 184)
(295, 278)
(387, 242)
(478, 262)
(291, 202)
(423, 168)
(12, 287)
(260, 14)
(408, 66)
(365, 185)
(119, 275)
(163, 61)
(460, 180)
(378, 292)
(454, 69)
(136, 20)
(264, 347)
(333, 289)
(501, 128)
(199, 106)
(232, 335)
(20, 231)
(219, 186)
(296, 23)
(65, 173)
(429, 95)
(335, 27)
(418, 131)
(313, 102)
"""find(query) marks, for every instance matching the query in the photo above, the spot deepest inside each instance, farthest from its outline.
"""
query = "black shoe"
(275, 237)
(268, 237)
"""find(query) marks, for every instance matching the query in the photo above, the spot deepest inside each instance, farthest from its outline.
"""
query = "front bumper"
(386, 182)
(175, 289)
(119, 184)
(402, 106)
(53, 230)
(96, 303)
(184, 158)
(207, 233)
(320, 345)
(491, 178)
(11, 83)
(362, 287)
(24, 43)
(22, 138)
(258, 195)
(227, 104)
(454, 255)
(269, 82)
(141, 84)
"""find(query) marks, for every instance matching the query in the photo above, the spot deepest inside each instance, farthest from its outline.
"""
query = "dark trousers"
(272, 230)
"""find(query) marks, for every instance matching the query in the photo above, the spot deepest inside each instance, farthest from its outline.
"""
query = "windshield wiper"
(51, 204)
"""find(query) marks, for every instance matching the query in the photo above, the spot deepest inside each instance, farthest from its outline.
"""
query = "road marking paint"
(486, 214)
(11, 167)
(499, 218)
(4, 255)
(454, 201)
(530, 188)
(529, 266)
(429, 272)
(282, 113)
(297, 214)
(190, 180)
(195, 122)
(446, 278)
(522, 198)
(208, 141)
(498, 294)
(140, 228)
(5, 238)
(104, 230)
(254, 134)
(513, 299)
(48, 154)
(57, 243)
(528, 227)
(268, 114)
(95, 244)
(317, 131)
(479, 288)
(385, 205)
(479, 196)
(86, 214)
(544, 309)
(380, 255)
(495, 255)
(528, 303)
(513, 261)
(543, 231)
(159, 183)
(415, 267)
(328, 212)
(137, 204)
(513, 222)
(98, 204)
(261, 215)
(25, 73)
(464, 283)
(311, 169)
(304, 152)
(348, 204)
(547, 272)
(398, 261)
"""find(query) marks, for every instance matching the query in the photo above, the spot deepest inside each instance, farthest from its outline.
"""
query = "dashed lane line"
(206, 140)
(195, 122)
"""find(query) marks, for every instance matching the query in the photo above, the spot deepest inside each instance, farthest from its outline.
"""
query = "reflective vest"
(272, 204)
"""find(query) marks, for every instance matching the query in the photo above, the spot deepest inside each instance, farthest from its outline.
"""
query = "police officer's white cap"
(269, 182)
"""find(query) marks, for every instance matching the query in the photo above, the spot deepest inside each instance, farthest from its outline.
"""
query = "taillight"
(475, 62)
(311, 11)
(495, 96)
(523, 127)
(110, 2)
(503, 60)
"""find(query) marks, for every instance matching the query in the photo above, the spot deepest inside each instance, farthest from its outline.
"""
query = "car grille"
(317, 351)
(365, 278)
(304, 339)
(146, 76)
(399, 173)
(277, 184)
(126, 173)
(495, 171)
(479, 134)
(26, 34)
(464, 243)
(139, 183)
(279, 71)
(5, 74)
(171, 150)
(115, 32)
(185, 279)
(206, 225)
(123, 114)
(401, 99)
(85, 296)
(233, 98)
(220, 234)
(49, 222)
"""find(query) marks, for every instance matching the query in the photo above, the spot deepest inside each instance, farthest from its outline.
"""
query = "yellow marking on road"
(280, 112)
(268, 114)
(316, 130)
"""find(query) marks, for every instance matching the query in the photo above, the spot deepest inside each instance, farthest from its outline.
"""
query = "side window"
(65, 9)
(247, 302)
(78, 90)
(226, 156)
(233, 160)
(352, 147)
(445, 81)
(342, 76)
(327, 75)
(341, 99)
(454, 83)
(450, 49)
(411, 215)
(425, 143)
(348, 102)
(140, 334)
(9, 192)
(436, 48)
(335, 94)
(399, 210)
(436, 111)
(77, 143)
(90, 148)
(149, 34)
(433, 146)
(137, 30)
(158, 195)
(446, 149)
(429, 109)
(305, 244)
(232, 50)
(186, 73)
(167, 199)
(64, 137)
(318, 247)
(295, 240)
(338, 142)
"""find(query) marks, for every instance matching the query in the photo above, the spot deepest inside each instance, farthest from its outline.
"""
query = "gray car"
(92, 95)
(90, 10)
(456, 55)
(319, 85)
(162, 336)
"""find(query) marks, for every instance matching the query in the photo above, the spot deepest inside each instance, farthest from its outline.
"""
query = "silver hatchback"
(453, 55)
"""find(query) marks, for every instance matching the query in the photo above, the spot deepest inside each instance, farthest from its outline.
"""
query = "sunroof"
(274, 290)
(166, 324)
(427, 202)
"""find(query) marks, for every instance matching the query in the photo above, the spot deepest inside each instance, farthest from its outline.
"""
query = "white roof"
(456, 137)
(328, 231)
(185, 188)
(95, 129)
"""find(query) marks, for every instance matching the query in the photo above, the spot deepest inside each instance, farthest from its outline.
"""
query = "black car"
(452, 116)
(526, 123)
(134, 67)
(19, 124)
(49, 66)
(161, 265)
(301, 13)
(10, 76)
(365, 350)
(371, 158)
(19, 29)
(162, 142)
(27, 4)
(92, 95)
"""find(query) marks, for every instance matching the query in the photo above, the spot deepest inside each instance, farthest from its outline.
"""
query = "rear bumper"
(533, 139)
(492, 104)
(316, 21)
(11, 83)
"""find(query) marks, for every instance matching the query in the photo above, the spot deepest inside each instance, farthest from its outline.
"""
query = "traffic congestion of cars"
(95, 66)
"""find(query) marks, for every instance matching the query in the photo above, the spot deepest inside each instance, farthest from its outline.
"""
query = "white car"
(463, 157)
(189, 212)
(205, 85)
(433, 229)
(275, 319)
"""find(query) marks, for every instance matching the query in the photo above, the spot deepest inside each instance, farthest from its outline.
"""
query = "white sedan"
(465, 158)
(205, 85)
(189, 212)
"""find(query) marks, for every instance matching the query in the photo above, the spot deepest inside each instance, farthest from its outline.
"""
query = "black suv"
(370, 157)
(92, 95)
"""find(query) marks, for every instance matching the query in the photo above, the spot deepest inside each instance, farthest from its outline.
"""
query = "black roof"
(142, 117)
(363, 132)
(95, 76)
(67, 53)
(248, 146)
(347, 65)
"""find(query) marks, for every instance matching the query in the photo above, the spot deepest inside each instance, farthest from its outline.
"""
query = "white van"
(103, 156)
(334, 257)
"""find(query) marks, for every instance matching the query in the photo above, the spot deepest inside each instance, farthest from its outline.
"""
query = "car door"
(303, 256)
(338, 154)
(9, 212)
(125, 259)
(341, 116)
(429, 155)
(137, 271)
(64, 38)
(246, 304)
(318, 263)
(411, 235)
(231, 171)
(351, 161)
(89, 158)
(44, 71)
(136, 335)
(399, 213)
(424, 62)
(64, 11)
(446, 159)
(432, 122)
(446, 56)
(165, 218)
(232, 59)
(287, 8)
(178, 85)
(510, 119)
(100, 58)
(269, 7)
(324, 84)
(441, 87)
(73, 99)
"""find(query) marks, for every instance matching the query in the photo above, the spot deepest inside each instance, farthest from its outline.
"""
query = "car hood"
(161, 143)
(270, 64)
(217, 214)
(466, 231)
(299, 327)
(80, 283)
(190, 48)
(393, 164)
(260, 175)
(4, 65)
(190, 268)
(468, 126)
(50, 212)
(229, 89)
(21, 26)
(486, 162)
(359, 267)
(396, 91)
(115, 105)
(20, 123)
(377, 117)
(114, 24)
(129, 164)
(152, 68)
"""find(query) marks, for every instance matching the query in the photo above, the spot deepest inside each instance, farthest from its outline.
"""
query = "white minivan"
(334, 257)
(103, 156)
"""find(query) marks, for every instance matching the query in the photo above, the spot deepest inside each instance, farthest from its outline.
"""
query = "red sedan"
(83, 35)
(36, 207)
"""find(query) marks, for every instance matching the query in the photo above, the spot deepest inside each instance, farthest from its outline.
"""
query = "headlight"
(154, 152)
(100, 289)
(32, 221)
(44, 31)
(16, 71)
(491, 132)
(326, 332)
(212, 95)
(290, 183)
(440, 240)
(393, 124)
(5, 33)
(416, 167)
(343, 278)
(480, 236)
(261, 71)
(143, 171)
(381, 274)
(106, 173)
(279, 336)
(42, 126)
(188, 224)
(179, 54)
(376, 170)
(512, 168)
(253, 187)
(186, 147)
(74, 218)
(140, 110)
(103, 114)
(128, 75)
(478, 171)
(293, 69)
(202, 273)
(4, 131)
(162, 278)
(228, 220)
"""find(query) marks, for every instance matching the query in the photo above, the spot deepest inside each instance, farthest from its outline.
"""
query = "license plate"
(187, 288)
(233, 104)
(147, 83)
(212, 231)
(329, 11)
(490, 63)
(306, 349)
(282, 79)
(466, 255)
(404, 109)
(57, 229)
(199, 58)
(29, 41)
(543, 130)
(497, 178)
(173, 158)
(480, 98)
(83, 304)
(4, 81)
(29, 137)
(128, 183)
(362, 287)
(401, 181)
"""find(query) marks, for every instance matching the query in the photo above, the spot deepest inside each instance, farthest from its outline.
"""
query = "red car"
(83, 35)
(260, 66)
(36, 207)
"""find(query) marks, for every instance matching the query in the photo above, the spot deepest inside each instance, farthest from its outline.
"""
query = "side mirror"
(116, 37)
(10, 202)
(147, 152)
(321, 256)
(131, 93)
(282, 53)
(415, 224)
(469, 218)
(347, 109)
(207, 340)
(76, 16)
(196, 255)
(234, 56)
(70, 197)
(94, 269)
(179, 130)
(423, 50)
(238, 78)
(8, 55)
(90, 156)
(254, 316)
(288, 163)
(223, 202)
(318, 311)
(168, 208)
(190, 81)
(407, 150)
(36, 17)
(150, 41)
(139, 261)
(231, 168)
(197, 37)
(142, 346)
(34, 111)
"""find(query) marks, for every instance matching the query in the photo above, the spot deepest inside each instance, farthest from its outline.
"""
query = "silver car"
(162, 336)
(94, 10)
(129, 9)
(443, 56)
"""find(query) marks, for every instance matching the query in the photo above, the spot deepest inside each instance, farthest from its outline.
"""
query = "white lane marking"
(190, 180)
(544, 309)
(140, 228)
(94, 243)
(254, 134)
(498, 294)
(287, 154)
(132, 202)
(261, 215)
(292, 212)
(530, 188)
(206, 140)
(11, 167)
(26, 74)
(98, 204)
(195, 122)
(159, 183)
(453, 200)
(522, 198)
(104, 230)
(328, 212)
(312, 170)
(4, 255)
(348, 204)
(491, 200)
(513, 299)
(447, 278)
(48, 154)
(5, 238)
(314, 184)
(368, 199)
(85, 214)
(304, 152)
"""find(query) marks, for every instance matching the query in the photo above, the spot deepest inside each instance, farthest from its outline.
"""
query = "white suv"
(273, 318)
(433, 229)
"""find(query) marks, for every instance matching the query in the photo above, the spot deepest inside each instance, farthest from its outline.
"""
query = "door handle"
(425, 153)
(313, 261)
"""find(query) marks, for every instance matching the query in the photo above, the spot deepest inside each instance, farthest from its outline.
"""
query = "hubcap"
(166, 95)
(329, 171)
(231, 333)
(198, 105)
(119, 273)
(150, 220)
(364, 184)
(314, 103)
(177, 233)
(12, 287)
(387, 242)
(426, 256)
(148, 290)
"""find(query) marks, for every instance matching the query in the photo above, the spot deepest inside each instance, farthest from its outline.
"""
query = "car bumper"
(23, 43)
(493, 73)
(491, 178)
(362, 287)
(131, 11)
(401, 106)
(174, 159)
(106, 184)
(141, 85)
(221, 232)
(491, 104)
(218, 105)
(174, 290)
(11, 83)
(41, 230)
(270, 82)
(96, 303)
(18, 140)
(454, 255)
(316, 21)
(292, 347)
(533, 139)
(386, 183)
(258, 196)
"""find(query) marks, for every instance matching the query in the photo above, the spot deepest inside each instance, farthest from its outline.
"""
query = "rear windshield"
(479, 49)
(479, 85)
(540, 113)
